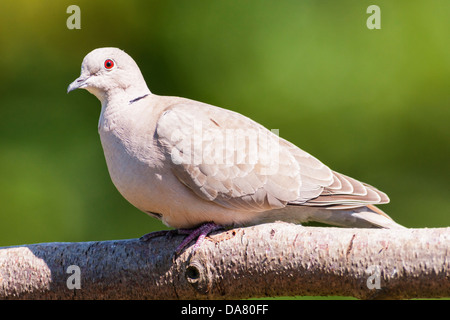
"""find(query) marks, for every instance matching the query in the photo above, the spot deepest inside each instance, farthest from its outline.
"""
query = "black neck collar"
(138, 98)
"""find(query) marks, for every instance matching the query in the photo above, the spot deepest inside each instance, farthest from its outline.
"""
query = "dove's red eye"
(109, 64)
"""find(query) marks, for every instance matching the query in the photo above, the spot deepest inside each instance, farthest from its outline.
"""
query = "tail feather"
(362, 217)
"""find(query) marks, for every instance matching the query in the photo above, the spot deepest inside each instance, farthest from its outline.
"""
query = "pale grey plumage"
(147, 140)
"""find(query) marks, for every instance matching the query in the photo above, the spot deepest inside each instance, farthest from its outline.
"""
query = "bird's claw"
(198, 233)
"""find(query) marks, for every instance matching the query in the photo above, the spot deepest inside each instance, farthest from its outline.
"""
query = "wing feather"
(214, 153)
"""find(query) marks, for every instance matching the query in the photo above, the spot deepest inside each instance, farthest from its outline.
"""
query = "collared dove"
(194, 165)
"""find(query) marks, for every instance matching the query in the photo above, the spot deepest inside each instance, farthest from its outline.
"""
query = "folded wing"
(225, 157)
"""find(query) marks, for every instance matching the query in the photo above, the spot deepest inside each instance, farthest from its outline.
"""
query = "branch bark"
(276, 259)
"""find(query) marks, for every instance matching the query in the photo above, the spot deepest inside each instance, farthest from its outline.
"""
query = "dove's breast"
(134, 164)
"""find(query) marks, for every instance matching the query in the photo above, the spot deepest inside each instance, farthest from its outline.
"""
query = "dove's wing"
(346, 193)
(228, 158)
(339, 192)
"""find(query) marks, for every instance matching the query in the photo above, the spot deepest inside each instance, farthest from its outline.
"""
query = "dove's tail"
(361, 217)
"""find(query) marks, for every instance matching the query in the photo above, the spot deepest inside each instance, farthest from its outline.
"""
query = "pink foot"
(200, 233)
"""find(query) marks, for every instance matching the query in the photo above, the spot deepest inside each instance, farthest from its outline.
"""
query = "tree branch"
(276, 259)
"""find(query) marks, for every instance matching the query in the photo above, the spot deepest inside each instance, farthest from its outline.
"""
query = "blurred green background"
(372, 104)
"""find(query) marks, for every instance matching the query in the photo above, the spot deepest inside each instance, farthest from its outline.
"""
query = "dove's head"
(106, 72)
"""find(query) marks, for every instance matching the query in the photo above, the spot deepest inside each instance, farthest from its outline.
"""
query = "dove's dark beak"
(80, 82)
